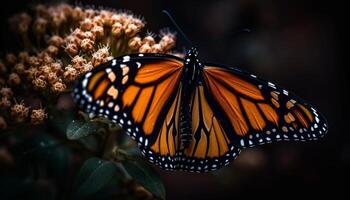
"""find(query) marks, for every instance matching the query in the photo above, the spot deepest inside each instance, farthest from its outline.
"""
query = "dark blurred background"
(298, 44)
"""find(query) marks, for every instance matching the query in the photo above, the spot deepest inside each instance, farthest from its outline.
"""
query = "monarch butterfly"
(186, 115)
(193, 116)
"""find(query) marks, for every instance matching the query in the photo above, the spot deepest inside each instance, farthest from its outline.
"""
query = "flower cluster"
(60, 43)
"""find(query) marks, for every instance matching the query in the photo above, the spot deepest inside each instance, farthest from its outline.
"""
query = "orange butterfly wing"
(257, 112)
(142, 94)
(210, 148)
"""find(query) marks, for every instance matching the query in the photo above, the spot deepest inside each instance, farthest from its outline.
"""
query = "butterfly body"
(194, 116)
(190, 79)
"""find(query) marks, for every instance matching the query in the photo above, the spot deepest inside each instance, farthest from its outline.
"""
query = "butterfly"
(193, 116)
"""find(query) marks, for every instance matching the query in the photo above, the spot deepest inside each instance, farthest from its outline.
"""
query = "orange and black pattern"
(230, 109)
(258, 111)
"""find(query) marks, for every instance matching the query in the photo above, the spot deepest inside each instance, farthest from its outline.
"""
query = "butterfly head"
(191, 57)
(192, 53)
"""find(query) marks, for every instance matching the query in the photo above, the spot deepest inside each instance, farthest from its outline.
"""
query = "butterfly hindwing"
(256, 111)
(210, 147)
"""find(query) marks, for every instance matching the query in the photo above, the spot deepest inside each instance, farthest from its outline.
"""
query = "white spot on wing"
(126, 58)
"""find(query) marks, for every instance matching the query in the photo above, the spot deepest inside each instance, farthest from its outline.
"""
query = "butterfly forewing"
(138, 92)
(256, 111)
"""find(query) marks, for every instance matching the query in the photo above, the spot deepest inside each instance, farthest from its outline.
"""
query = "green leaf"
(94, 175)
(146, 176)
(78, 129)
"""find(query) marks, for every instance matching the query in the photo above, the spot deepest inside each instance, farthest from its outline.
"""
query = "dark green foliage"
(77, 158)
(146, 176)
(79, 129)
(94, 175)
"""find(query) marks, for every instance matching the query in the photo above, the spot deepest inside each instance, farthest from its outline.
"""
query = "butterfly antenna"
(177, 27)
(244, 30)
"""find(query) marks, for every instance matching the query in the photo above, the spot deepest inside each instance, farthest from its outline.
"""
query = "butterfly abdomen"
(185, 126)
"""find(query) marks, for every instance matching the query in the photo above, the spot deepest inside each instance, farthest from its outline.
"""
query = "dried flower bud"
(3, 124)
(65, 8)
(98, 31)
(117, 29)
(39, 83)
(97, 59)
(47, 59)
(31, 72)
(78, 33)
(149, 40)
(86, 24)
(89, 35)
(38, 116)
(145, 48)
(19, 68)
(57, 19)
(104, 51)
(40, 10)
(70, 74)
(21, 23)
(14, 79)
(78, 61)
(100, 56)
(52, 77)
(167, 42)
(131, 30)
(87, 67)
(77, 14)
(58, 87)
(10, 59)
(72, 39)
(56, 41)
(56, 68)
(5, 103)
(39, 26)
(23, 57)
(87, 44)
(6, 92)
(19, 112)
(156, 48)
(3, 68)
(117, 18)
(71, 49)
(34, 61)
(90, 13)
(97, 20)
(52, 50)
(139, 23)
(44, 70)
(135, 43)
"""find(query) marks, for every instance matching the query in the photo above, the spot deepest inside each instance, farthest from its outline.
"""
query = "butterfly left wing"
(142, 94)
(255, 111)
